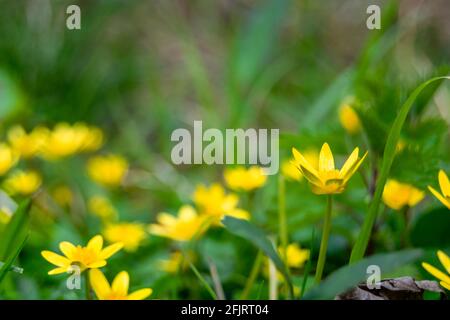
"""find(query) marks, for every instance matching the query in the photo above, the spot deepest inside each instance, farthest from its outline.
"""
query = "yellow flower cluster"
(213, 203)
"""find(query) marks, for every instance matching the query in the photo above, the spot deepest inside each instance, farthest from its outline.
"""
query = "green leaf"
(350, 275)
(14, 231)
(431, 229)
(389, 153)
(12, 257)
(250, 232)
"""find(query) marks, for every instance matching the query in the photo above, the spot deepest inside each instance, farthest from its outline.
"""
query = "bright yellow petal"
(445, 285)
(140, 294)
(166, 219)
(99, 284)
(444, 259)
(444, 201)
(121, 283)
(300, 160)
(110, 250)
(57, 270)
(310, 176)
(354, 168)
(436, 272)
(326, 160)
(97, 264)
(67, 248)
(444, 183)
(96, 243)
(349, 163)
(55, 259)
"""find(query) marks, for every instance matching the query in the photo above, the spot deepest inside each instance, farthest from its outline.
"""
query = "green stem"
(324, 241)
(282, 215)
(252, 277)
(88, 286)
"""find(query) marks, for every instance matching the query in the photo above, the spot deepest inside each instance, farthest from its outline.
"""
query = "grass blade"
(389, 153)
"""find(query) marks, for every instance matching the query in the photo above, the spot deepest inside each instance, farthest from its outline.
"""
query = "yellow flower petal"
(445, 285)
(55, 259)
(444, 201)
(97, 264)
(166, 219)
(140, 294)
(354, 168)
(444, 183)
(96, 243)
(67, 248)
(110, 250)
(99, 284)
(326, 160)
(57, 270)
(300, 160)
(436, 272)
(120, 284)
(349, 163)
(444, 259)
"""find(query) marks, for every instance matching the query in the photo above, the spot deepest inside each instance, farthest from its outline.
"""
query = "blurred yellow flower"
(90, 257)
(326, 179)
(184, 227)
(27, 145)
(444, 184)
(62, 141)
(102, 208)
(242, 179)
(215, 203)
(23, 182)
(349, 119)
(289, 167)
(131, 234)
(63, 196)
(443, 278)
(396, 195)
(90, 138)
(118, 290)
(8, 158)
(295, 256)
(174, 262)
(108, 170)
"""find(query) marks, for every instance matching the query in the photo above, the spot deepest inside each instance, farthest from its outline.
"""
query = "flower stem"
(252, 277)
(324, 241)
(88, 286)
(282, 216)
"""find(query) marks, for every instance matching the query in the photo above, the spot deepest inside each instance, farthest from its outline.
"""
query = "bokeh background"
(140, 69)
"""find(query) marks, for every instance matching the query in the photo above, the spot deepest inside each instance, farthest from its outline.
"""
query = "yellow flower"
(184, 227)
(107, 170)
(443, 278)
(62, 141)
(444, 183)
(23, 182)
(129, 233)
(8, 158)
(103, 208)
(215, 203)
(63, 196)
(27, 145)
(118, 290)
(90, 138)
(349, 119)
(245, 179)
(326, 179)
(289, 168)
(90, 257)
(396, 195)
(174, 262)
(295, 256)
